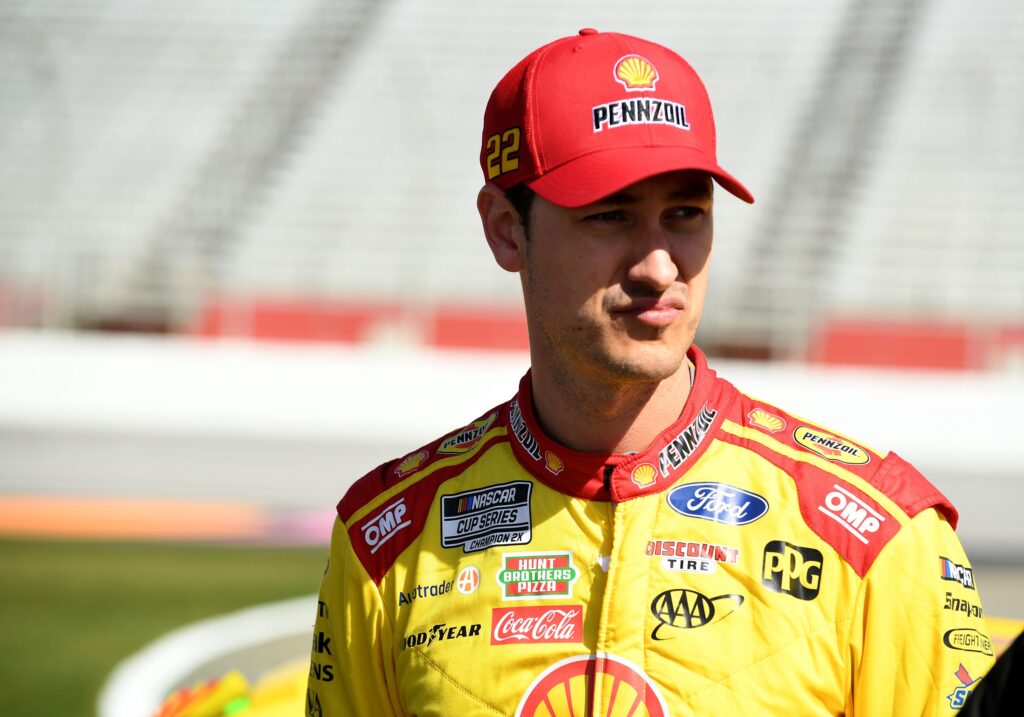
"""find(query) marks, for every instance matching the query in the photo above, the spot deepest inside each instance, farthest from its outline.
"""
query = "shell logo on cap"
(644, 475)
(635, 73)
(570, 687)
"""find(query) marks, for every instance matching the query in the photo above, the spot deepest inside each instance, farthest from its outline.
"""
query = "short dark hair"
(521, 198)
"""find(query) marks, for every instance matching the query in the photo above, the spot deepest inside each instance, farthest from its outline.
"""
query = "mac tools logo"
(717, 502)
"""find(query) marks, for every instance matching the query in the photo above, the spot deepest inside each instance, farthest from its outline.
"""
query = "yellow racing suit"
(747, 562)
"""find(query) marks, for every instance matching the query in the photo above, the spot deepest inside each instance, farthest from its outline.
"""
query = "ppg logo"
(791, 569)
(385, 525)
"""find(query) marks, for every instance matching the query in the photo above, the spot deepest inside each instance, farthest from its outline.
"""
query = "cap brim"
(591, 177)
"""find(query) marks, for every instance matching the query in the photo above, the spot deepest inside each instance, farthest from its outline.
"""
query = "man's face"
(615, 289)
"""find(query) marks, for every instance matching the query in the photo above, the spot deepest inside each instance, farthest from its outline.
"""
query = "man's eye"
(613, 215)
(688, 212)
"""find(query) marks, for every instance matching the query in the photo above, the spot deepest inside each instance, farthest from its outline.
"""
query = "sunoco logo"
(831, 447)
(791, 569)
(689, 609)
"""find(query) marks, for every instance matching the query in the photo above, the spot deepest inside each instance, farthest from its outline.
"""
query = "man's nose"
(653, 264)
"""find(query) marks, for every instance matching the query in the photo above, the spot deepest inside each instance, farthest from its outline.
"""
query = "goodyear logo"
(830, 447)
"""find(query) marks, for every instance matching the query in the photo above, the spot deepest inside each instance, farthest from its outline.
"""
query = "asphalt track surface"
(294, 483)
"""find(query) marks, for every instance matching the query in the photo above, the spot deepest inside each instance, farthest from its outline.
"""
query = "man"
(629, 534)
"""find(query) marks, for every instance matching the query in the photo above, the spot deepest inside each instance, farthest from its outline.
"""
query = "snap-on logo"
(385, 525)
(717, 502)
(831, 447)
(852, 514)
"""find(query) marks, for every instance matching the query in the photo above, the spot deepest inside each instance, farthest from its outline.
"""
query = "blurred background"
(240, 265)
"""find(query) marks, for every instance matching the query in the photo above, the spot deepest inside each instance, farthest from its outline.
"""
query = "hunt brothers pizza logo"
(534, 625)
(537, 575)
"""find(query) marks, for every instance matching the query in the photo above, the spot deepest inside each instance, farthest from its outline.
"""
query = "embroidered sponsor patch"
(967, 639)
(485, 517)
(968, 608)
(535, 625)
(571, 684)
(439, 633)
(852, 513)
(522, 432)
(688, 609)
(541, 575)
(948, 570)
(466, 439)
(468, 580)
(717, 502)
(830, 447)
(424, 591)
(959, 695)
(686, 556)
(676, 451)
(792, 569)
(385, 525)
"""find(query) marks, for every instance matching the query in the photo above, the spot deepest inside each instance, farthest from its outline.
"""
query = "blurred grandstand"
(308, 170)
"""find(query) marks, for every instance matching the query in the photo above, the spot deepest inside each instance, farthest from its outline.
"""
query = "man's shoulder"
(854, 496)
(443, 457)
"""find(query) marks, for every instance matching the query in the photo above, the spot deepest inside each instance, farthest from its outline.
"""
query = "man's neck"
(606, 416)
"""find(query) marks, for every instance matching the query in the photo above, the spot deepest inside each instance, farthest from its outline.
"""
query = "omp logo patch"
(484, 517)
(686, 556)
(791, 569)
(688, 609)
(468, 437)
(830, 447)
(675, 453)
(717, 502)
(852, 514)
(536, 576)
(385, 525)
(948, 570)
(566, 689)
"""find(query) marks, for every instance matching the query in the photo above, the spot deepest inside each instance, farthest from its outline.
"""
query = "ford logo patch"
(718, 502)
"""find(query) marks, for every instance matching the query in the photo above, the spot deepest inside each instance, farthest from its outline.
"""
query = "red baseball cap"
(585, 116)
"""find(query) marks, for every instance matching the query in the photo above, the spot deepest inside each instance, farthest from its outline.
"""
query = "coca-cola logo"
(530, 625)
(718, 502)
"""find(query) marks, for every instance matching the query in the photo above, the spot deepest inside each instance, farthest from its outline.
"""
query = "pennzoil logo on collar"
(689, 439)
(522, 431)
(537, 576)
(464, 440)
(487, 517)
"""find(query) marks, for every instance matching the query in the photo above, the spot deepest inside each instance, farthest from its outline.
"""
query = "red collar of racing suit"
(619, 476)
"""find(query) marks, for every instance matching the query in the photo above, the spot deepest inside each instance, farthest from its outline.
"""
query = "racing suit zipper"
(608, 470)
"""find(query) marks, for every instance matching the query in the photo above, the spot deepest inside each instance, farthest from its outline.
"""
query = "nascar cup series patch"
(485, 517)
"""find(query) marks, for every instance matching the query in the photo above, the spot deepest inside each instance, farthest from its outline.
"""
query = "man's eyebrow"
(696, 190)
